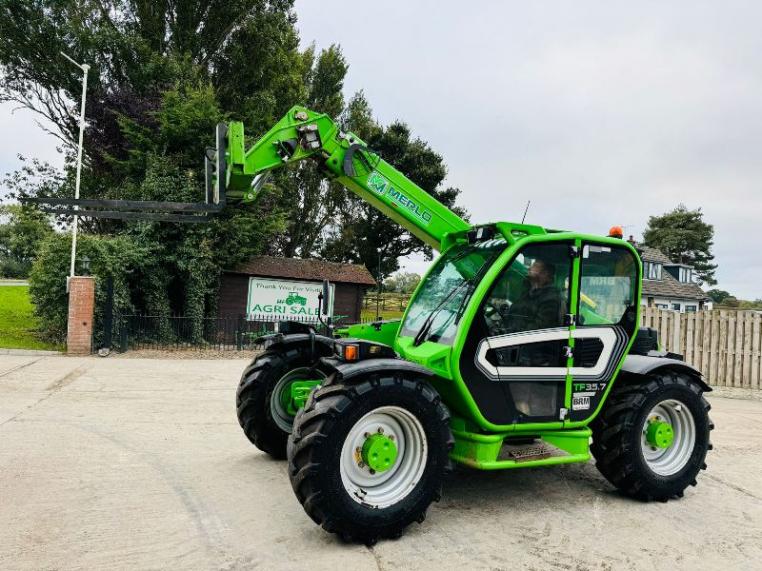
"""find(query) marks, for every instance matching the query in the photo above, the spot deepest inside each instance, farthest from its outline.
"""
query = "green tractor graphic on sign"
(294, 297)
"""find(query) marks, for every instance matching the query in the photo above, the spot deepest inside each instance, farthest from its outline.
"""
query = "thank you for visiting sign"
(284, 299)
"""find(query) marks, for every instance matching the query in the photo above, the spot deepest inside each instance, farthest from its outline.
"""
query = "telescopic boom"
(303, 134)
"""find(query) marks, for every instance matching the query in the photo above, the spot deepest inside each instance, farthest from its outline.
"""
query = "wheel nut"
(366, 435)
(372, 471)
(380, 430)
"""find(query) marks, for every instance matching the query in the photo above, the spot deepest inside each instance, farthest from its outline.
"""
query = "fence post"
(676, 334)
(239, 334)
(123, 339)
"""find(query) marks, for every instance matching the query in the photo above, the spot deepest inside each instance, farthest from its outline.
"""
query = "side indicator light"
(351, 352)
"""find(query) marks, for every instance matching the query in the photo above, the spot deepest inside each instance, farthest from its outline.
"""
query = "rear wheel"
(652, 437)
(262, 397)
(366, 460)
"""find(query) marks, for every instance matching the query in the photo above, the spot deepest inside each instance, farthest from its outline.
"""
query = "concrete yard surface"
(140, 464)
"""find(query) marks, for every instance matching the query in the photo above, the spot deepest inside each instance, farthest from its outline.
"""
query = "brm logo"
(383, 187)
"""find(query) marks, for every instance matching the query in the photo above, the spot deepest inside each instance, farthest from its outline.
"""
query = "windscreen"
(444, 292)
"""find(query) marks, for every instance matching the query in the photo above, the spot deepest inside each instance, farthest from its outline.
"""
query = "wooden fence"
(722, 344)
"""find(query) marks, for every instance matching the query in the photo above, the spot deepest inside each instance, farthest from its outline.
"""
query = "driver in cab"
(538, 305)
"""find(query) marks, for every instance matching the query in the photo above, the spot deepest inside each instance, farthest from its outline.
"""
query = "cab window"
(608, 285)
(532, 292)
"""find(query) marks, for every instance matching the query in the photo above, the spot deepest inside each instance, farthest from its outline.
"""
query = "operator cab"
(539, 322)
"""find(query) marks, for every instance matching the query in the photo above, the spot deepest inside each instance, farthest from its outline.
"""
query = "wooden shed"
(287, 287)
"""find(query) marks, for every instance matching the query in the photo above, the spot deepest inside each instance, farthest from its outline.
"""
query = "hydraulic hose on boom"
(344, 157)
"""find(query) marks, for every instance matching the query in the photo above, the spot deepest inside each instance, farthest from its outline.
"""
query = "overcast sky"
(601, 113)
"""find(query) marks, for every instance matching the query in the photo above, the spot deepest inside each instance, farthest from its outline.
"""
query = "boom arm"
(303, 134)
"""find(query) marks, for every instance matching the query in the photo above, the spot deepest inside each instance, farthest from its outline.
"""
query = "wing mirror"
(325, 306)
(325, 298)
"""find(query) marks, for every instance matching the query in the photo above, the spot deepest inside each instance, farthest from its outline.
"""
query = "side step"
(524, 452)
(507, 450)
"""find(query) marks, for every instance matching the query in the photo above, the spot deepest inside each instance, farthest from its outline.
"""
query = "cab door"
(606, 320)
(516, 358)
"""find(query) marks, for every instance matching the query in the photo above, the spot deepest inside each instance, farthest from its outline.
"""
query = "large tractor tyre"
(265, 420)
(652, 437)
(367, 459)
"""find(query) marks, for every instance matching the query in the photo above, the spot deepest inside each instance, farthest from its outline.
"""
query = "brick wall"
(81, 306)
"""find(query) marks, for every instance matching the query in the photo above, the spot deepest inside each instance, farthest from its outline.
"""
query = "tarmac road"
(141, 464)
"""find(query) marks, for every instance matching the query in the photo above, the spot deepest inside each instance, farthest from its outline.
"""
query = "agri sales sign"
(284, 299)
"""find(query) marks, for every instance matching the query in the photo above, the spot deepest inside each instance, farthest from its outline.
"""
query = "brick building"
(297, 281)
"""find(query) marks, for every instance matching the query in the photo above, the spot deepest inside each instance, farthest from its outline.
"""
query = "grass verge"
(18, 325)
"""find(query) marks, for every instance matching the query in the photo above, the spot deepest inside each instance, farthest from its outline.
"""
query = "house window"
(662, 306)
(676, 306)
(651, 271)
(686, 275)
(690, 308)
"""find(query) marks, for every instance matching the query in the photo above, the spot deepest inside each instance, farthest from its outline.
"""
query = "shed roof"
(305, 269)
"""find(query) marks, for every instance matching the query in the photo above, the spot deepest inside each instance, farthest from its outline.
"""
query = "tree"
(364, 235)
(718, 295)
(119, 257)
(20, 238)
(402, 282)
(310, 201)
(162, 75)
(684, 237)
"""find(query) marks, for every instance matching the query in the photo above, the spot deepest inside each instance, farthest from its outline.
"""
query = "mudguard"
(283, 342)
(645, 364)
(346, 371)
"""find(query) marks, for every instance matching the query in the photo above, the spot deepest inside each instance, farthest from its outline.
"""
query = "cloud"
(601, 113)
(21, 135)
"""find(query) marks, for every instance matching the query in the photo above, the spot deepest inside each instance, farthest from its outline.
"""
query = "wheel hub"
(668, 438)
(379, 452)
(398, 440)
(660, 434)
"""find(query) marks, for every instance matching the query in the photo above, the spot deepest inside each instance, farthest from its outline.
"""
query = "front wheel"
(366, 460)
(262, 403)
(652, 437)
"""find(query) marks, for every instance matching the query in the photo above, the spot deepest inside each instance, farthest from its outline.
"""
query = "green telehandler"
(521, 347)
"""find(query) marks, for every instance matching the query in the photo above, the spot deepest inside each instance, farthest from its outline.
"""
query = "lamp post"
(85, 68)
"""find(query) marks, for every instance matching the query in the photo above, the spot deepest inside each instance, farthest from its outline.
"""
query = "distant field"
(17, 322)
(370, 314)
(390, 305)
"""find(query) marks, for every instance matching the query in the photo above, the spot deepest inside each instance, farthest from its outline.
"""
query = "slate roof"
(301, 269)
(667, 286)
(648, 254)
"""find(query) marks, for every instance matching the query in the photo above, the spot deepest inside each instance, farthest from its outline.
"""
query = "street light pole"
(85, 68)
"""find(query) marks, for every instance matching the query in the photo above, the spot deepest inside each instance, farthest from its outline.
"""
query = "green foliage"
(309, 202)
(162, 75)
(119, 257)
(21, 234)
(718, 295)
(724, 299)
(402, 282)
(18, 325)
(684, 237)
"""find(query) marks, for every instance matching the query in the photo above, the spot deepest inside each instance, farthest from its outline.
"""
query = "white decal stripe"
(607, 335)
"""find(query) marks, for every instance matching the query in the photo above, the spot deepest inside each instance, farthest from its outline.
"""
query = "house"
(669, 285)
(270, 288)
